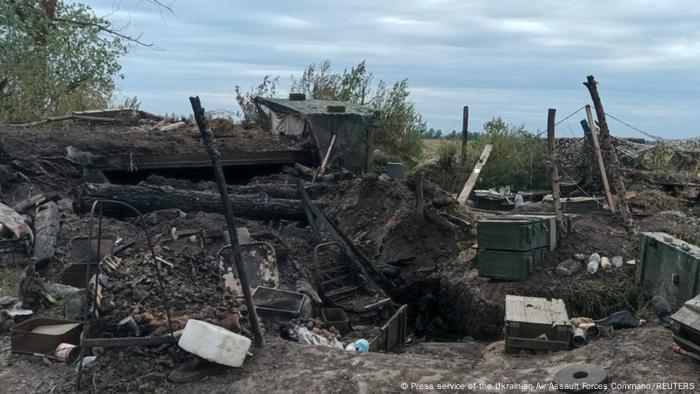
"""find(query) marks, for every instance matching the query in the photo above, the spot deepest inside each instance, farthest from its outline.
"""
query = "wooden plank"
(325, 160)
(599, 157)
(551, 145)
(125, 342)
(471, 182)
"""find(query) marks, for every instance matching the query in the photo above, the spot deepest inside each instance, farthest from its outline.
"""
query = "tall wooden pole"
(599, 156)
(210, 143)
(465, 134)
(612, 159)
(551, 145)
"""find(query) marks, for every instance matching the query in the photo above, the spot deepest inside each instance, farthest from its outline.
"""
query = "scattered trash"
(83, 362)
(617, 261)
(580, 337)
(593, 263)
(361, 345)
(568, 267)
(315, 337)
(214, 343)
(618, 320)
(59, 290)
(67, 352)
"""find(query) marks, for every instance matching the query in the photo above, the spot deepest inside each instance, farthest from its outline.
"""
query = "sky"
(513, 59)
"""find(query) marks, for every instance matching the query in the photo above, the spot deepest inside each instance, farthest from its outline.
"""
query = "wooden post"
(325, 160)
(234, 258)
(551, 144)
(612, 159)
(599, 156)
(419, 195)
(474, 176)
(465, 134)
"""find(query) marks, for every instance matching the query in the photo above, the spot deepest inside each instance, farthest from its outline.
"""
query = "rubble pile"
(341, 265)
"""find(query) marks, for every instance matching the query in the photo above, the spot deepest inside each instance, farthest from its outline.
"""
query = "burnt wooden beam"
(154, 198)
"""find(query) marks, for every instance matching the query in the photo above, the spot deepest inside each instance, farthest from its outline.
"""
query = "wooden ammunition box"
(536, 324)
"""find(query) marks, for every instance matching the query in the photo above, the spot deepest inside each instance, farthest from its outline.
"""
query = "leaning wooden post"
(325, 160)
(465, 134)
(210, 143)
(551, 144)
(613, 161)
(599, 156)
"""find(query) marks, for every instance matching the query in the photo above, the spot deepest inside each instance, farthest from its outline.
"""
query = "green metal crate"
(669, 267)
(513, 233)
(509, 265)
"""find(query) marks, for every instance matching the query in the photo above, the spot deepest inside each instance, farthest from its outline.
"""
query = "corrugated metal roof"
(315, 107)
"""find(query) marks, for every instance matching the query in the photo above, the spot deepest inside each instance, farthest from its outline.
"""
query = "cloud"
(500, 57)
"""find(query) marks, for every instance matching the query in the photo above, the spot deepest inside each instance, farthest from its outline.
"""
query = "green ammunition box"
(513, 233)
(669, 267)
(508, 264)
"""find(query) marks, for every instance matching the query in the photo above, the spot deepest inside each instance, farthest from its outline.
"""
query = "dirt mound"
(51, 139)
(379, 214)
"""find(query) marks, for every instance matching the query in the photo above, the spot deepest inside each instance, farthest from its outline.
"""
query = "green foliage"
(55, 57)
(518, 159)
(249, 113)
(132, 102)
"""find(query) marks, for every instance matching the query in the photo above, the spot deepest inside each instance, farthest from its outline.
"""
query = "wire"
(567, 117)
(659, 139)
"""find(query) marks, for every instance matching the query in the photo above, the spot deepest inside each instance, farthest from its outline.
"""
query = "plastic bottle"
(617, 261)
(593, 263)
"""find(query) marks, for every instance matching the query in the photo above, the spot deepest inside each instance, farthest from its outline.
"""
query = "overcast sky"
(513, 59)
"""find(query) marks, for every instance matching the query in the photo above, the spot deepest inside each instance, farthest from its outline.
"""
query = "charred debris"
(116, 241)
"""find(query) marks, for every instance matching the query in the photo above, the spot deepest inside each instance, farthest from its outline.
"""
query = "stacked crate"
(509, 248)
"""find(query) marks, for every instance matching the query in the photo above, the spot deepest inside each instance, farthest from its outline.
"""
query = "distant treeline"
(435, 134)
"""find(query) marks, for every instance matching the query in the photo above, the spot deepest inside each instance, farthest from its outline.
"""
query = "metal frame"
(92, 307)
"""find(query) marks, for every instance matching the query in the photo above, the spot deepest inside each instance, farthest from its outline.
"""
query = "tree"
(249, 114)
(57, 57)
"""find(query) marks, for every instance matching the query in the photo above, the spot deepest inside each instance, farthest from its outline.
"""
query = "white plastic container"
(214, 343)
(593, 263)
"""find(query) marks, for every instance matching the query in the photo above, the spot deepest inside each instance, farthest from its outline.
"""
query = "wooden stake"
(599, 157)
(325, 160)
(612, 159)
(465, 134)
(234, 258)
(474, 176)
(419, 195)
(551, 144)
